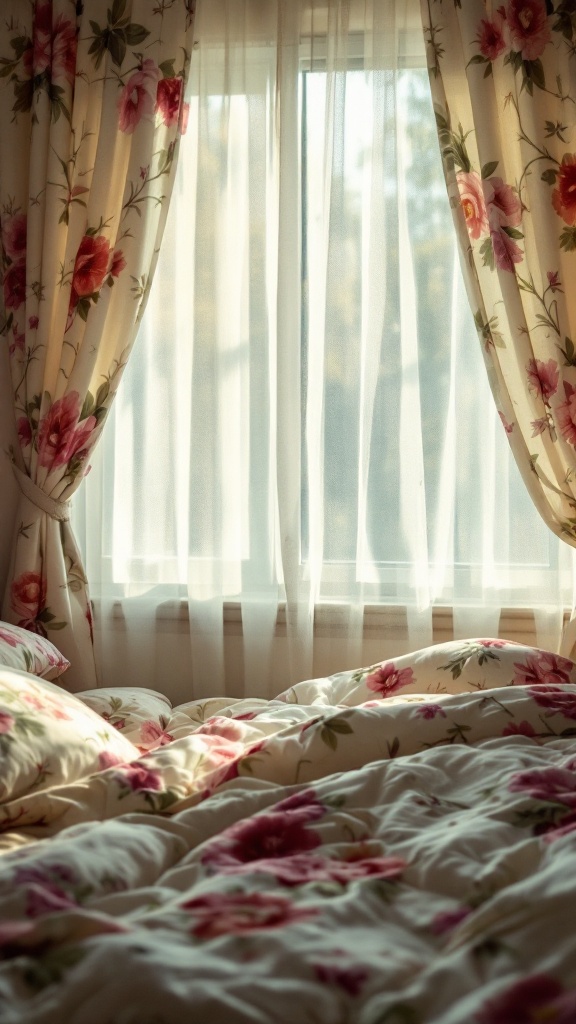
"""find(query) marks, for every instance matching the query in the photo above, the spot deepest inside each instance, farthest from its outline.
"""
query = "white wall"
(8, 485)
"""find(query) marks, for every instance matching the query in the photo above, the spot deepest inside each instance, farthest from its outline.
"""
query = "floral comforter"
(391, 846)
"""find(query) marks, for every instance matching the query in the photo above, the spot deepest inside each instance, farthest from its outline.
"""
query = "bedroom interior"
(326, 247)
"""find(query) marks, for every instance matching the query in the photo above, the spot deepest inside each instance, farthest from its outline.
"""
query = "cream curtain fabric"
(290, 480)
(503, 79)
(91, 107)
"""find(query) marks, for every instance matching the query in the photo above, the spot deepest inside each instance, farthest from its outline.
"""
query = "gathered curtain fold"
(91, 110)
(503, 80)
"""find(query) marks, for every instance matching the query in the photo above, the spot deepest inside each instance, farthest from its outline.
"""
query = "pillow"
(141, 715)
(48, 737)
(19, 648)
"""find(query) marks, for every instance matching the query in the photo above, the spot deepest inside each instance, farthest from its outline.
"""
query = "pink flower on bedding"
(430, 711)
(555, 700)
(348, 976)
(543, 667)
(7, 636)
(271, 835)
(221, 913)
(388, 679)
(106, 759)
(302, 868)
(6, 722)
(448, 920)
(152, 735)
(138, 97)
(218, 725)
(139, 778)
(519, 729)
(552, 831)
(246, 717)
(551, 785)
(531, 1000)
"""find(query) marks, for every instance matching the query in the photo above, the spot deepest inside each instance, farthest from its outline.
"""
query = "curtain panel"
(303, 462)
(503, 79)
(91, 109)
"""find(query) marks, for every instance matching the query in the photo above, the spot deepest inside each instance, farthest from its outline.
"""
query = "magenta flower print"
(276, 834)
(6, 722)
(14, 235)
(219, 913)
(28, 595)
(555, 700)
(349, 977)
(118, 263)
(90, 267)
(543, 378)
(543, 667)
(302, 868)
(506, 251)
(528, 26)
(429, 711)
(152, 735)
(566, 414)
(490, 38)
(508, 427)
(502, 204)
(551, 785)
(168, 98)
(519, 729)
(60, 435)
(531, 999)
(139, 778)
(564, 195)
(473, 203)
(554, 282)
(388, 679)
(14, 284)
(138, 97)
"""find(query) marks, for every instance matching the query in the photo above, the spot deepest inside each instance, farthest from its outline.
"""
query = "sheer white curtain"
(305, 433)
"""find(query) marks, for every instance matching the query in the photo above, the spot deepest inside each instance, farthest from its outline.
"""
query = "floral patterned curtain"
(503, 80)
(91, 107)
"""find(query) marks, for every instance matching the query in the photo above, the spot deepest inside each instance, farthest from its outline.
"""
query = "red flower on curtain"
(490, 38)
(138, 97)
(564, 196)
(28, 595)
(15, 284)
(60, 435)
(473, 203)
(528, 26)
(168, 97)
(14, 235)
(91, 266)
(566, 414)
(54, 45)
(543, 378)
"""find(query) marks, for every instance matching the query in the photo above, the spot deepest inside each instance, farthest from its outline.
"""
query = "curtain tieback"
(59, 510)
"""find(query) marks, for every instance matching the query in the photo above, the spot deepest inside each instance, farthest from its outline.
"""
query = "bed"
(395, 845)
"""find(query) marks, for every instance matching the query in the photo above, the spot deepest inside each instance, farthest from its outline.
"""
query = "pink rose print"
(24, 432)
(219, 914)
(473, 203)
(566, 414)
(564, 195)
(17, 344)
(543, 667)
(551, 785)
(60, 435)
(528, 26)
(543, 378)
(28, 595)
(6, 722)
(539, 997)
(220, 726)
(42, 37)
(502, 204)
(168, 97)
(14, 236)
(301, 868)
(152, 735)
(15, 284)
(490, 36)
(388, 679)
(90, 267)
(139, 778)
(106, 759)
(138, 97)
(8, 637)
(275, 834)
(63, 49)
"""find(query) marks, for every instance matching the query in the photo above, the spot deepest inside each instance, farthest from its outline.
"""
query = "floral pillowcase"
(141, 715)
(30, 652)
(48, 737)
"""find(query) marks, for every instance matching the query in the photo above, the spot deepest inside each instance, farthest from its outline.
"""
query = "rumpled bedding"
(390, 846)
